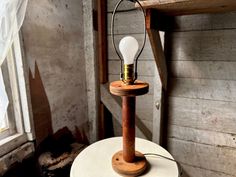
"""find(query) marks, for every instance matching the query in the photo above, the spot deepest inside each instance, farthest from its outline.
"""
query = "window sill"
(12, 142)
(16, 155)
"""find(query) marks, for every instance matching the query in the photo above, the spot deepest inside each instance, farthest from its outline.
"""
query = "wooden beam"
(159, 112)
(156, 45)
(159, 123)
(158, 98)
(185, 7)
(155, 41)
(91, 69)
(103, 62)
(102, 41)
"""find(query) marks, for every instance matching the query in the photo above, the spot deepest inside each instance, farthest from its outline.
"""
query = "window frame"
(24, 130)
(13, 114)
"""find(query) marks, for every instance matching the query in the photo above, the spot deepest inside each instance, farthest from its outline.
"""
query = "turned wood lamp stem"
(129, 162)
(128, 124)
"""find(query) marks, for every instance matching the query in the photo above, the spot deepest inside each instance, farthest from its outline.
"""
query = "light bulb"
(128, 47)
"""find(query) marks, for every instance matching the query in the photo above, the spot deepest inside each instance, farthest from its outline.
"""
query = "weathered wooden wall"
(131, 23)
(202, 94)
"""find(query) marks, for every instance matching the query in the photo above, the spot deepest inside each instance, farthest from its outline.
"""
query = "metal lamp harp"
(128, 73)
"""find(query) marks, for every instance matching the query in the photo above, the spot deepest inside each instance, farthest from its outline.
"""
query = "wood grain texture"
(201, 172)
(124, 168)
(144, 112)
(196, 22)
(91, 69)
(186, 22)
(128, 127)
(218, 45)
(160, 61)
(218, 159)
(202, 95)
(138, 88)
(102, 41)
(159, 56)
(221, 90)
(182, 7)
(203, 22)
(219, 70)
(157, 107)
(202, 136)
(148, 79)
(145, 115)
(218, 116)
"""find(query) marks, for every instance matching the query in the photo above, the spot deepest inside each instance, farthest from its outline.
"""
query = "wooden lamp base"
(128, 162)
(135, 168)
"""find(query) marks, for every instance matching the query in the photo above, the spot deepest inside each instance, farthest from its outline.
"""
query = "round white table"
(95, 160)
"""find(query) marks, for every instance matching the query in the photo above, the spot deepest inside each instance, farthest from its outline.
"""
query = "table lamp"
(128, 162)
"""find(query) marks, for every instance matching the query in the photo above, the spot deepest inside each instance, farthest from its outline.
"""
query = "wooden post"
(153, 26)
(155, 40)
(102, 41)
(102, 58)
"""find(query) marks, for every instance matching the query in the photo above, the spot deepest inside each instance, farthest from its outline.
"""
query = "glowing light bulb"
(128, 47)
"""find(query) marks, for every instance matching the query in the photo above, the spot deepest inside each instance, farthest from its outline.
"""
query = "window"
(8, 76)
(15, 127)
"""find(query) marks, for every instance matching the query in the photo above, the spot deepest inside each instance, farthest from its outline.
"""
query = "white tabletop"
(95, 160)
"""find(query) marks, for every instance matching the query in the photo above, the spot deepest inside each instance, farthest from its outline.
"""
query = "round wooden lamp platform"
(135, 168)
(118, 88)
(129, 162)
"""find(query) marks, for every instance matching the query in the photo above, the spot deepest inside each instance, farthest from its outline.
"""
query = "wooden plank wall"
(202, 94)
(131, 23)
